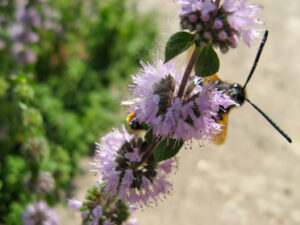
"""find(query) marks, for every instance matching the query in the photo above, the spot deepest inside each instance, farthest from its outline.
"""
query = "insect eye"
(235, 85)
(217, 82)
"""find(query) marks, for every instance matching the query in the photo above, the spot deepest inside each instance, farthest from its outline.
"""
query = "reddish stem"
(187, 73)
(151, 148)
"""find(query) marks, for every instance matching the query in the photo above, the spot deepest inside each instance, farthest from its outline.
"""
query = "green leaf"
(167, 149)
(149, 137)
(178, 43)
(207, 62)
(144, 126)
(83, 208)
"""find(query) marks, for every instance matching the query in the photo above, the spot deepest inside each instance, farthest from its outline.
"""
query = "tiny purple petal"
(29, 16)
(133, 156)
(207, 35)
(207, 6)
(126, 183)
(218, 24)
(205, 17)
(199, 27)
(223, 35)
(74, 204)
(85, 214)
(233, 41)
(97, 212)
(193, 18)
(132, 221)
(23, 55)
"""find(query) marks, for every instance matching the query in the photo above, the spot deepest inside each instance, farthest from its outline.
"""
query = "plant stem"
(149, 150)
(217, 3)
(187, 73)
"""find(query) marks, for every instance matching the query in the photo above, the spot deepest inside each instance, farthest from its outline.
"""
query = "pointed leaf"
(178, 43)
(167, 149)
(149, 137)
(207, 62)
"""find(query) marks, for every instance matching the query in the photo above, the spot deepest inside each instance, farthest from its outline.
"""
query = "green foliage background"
(52, 111)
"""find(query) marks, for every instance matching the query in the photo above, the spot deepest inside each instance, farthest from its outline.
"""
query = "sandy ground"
(254, 178)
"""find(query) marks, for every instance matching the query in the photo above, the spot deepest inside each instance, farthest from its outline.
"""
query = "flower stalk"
(187, 72)
(150, 150)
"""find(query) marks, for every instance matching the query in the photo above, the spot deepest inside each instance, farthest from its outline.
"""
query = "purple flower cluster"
(223, 25)
(93, 215)
(39, 213)
(100, 210)
(157, 105)
(22, 31)
(119, 162)
(242, 18)
(22, 34)
(51, 19)
(43, 184)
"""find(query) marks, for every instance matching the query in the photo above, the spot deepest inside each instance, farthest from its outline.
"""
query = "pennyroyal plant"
(172, 107)
(39, 213)
(100, 208)
(121, 163)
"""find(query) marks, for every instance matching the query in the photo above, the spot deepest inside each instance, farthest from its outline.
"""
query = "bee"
(134, 125)
(238, 94)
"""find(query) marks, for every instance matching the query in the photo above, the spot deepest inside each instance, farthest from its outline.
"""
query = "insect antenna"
(270, 121)
(257, 58)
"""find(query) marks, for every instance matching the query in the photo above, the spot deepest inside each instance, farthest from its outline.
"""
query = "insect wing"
(219, 139)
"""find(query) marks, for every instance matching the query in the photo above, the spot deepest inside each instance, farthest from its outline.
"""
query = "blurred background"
(63, 72)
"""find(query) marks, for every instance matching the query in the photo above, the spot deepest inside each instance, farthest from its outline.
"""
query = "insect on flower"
(134, 125)
(156, 104)
(238, 95)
